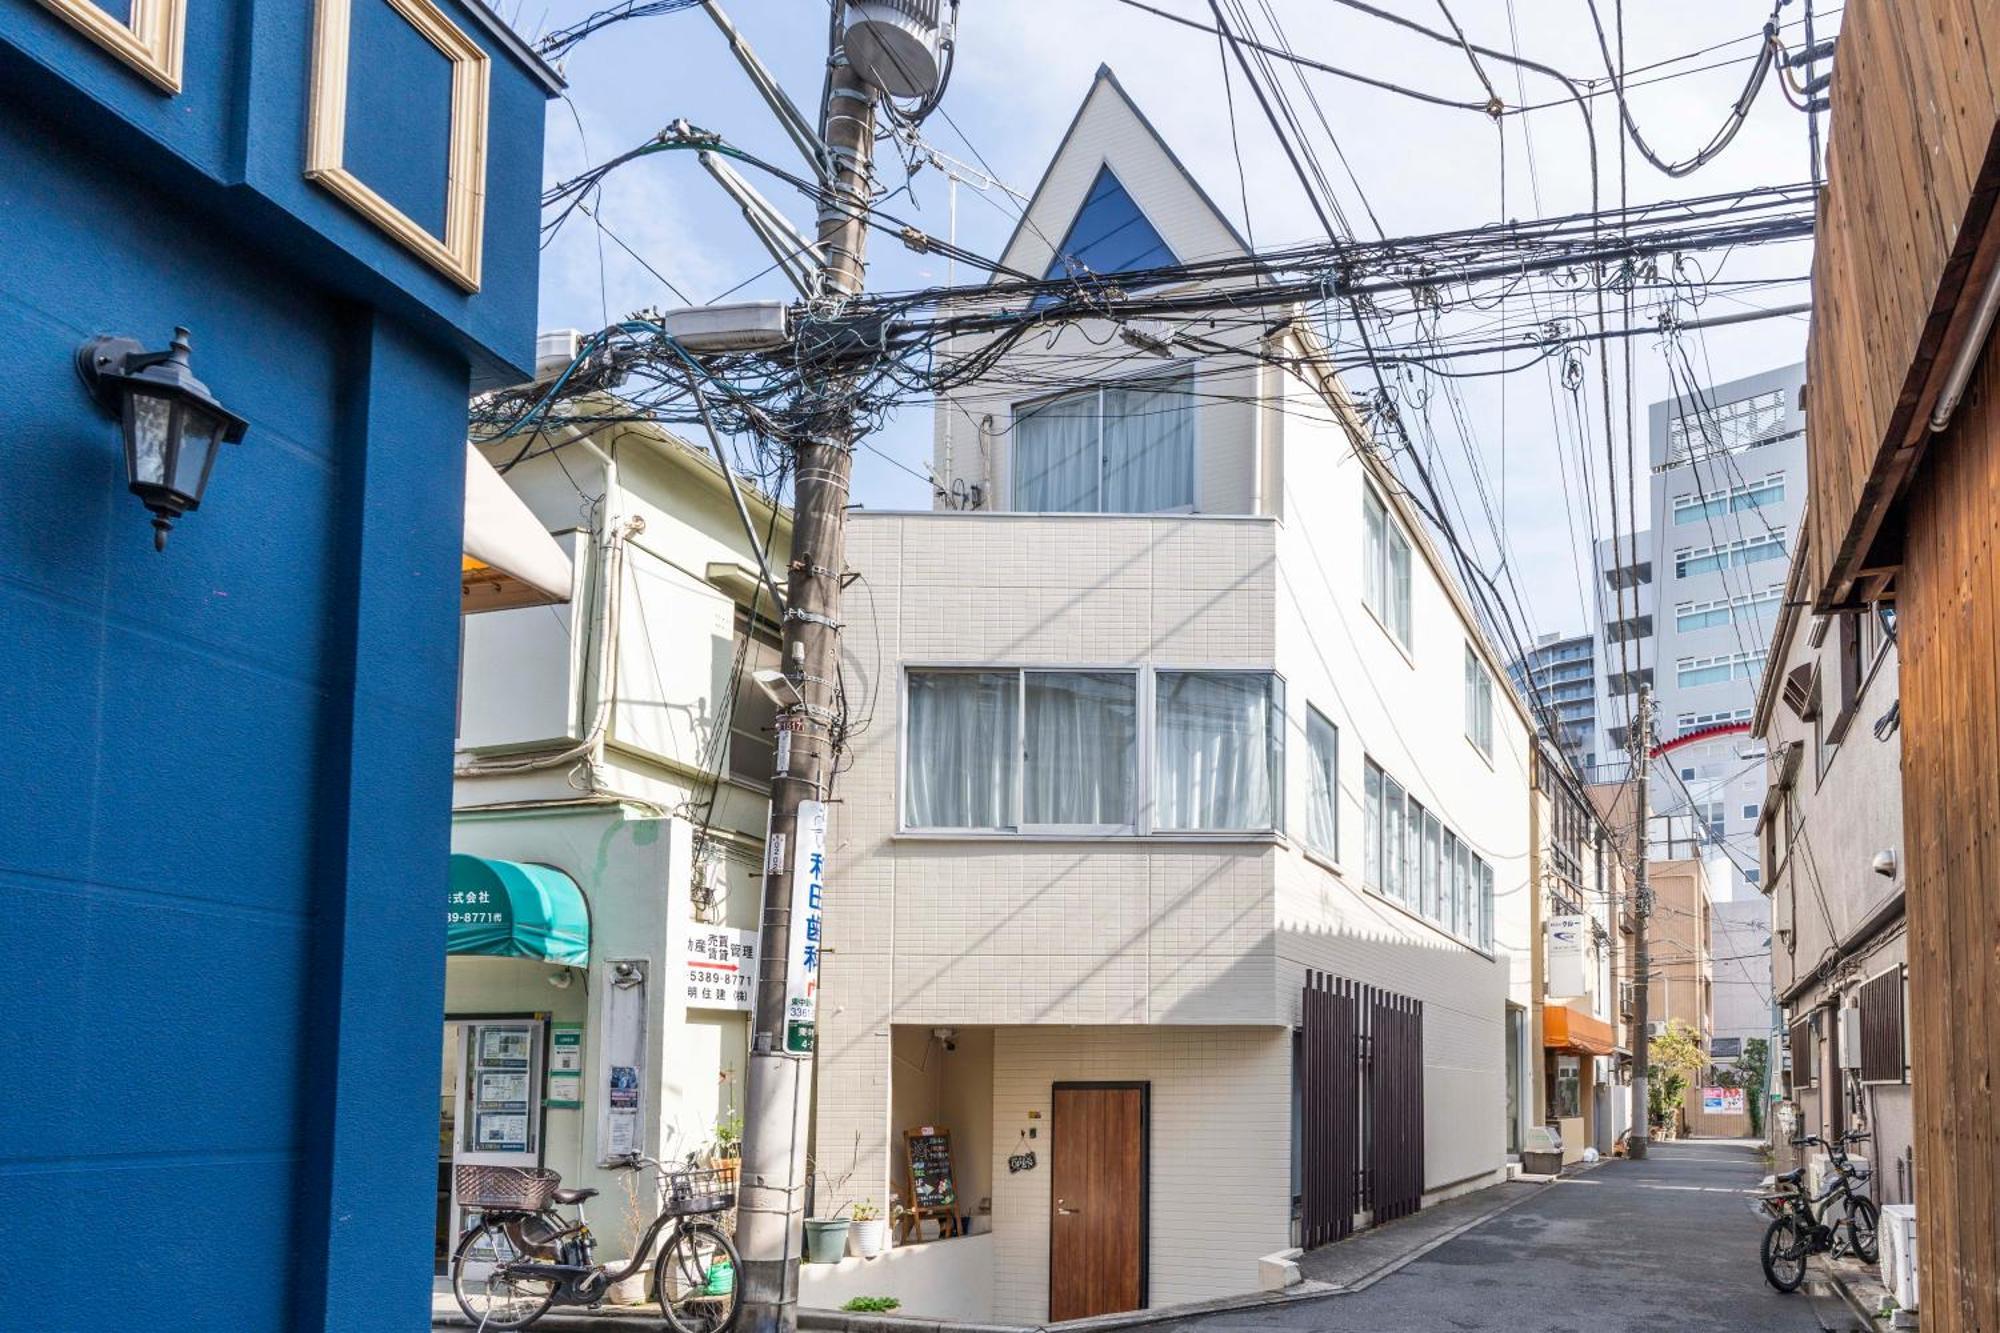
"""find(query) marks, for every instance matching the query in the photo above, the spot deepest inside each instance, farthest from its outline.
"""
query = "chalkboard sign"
(929, 1154)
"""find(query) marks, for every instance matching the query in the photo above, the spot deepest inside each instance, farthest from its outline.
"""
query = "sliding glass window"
(959, 769)
(1058, 751)
(1080, 750)
(1123, 449)
(1218, 752)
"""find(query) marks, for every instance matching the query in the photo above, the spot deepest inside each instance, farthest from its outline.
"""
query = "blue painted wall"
(225, 770)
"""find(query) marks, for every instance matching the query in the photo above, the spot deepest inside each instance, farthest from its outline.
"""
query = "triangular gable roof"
(1143, 167)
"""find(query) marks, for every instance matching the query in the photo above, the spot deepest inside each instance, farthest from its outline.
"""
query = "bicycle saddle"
(573, 1196)
(1789, 1178)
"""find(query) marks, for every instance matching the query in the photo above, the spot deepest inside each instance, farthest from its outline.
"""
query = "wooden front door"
(1097, 1199)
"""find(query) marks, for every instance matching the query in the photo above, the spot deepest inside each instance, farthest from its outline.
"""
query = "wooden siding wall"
(1949, 640)
(1910, 183)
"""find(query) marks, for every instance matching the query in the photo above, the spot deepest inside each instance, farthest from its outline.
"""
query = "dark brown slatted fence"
(1362, 1070)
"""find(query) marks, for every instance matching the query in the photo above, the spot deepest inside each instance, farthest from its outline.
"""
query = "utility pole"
(779, 1082)
(1642, 911)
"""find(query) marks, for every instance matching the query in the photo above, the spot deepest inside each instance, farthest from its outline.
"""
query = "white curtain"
(1055, 457)
(1082, 748)
(1149, 447)
(960, 770)
(1323, 770)
(1216, 755)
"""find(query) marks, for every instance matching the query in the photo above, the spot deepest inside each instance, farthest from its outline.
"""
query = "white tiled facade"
(1172, 959)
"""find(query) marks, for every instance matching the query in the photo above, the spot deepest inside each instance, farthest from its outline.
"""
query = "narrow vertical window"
(1392, 837)
(1485, 906)
(1323, 784)
(1385, 567)
(1371, 826)
(1478, 703)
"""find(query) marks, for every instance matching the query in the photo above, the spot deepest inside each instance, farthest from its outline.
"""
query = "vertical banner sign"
(802, 975)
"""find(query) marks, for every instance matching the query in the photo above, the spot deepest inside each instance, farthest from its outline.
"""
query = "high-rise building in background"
(1560, 673)
(1689, 606)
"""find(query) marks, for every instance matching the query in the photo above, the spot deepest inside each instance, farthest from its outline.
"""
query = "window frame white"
(1696, 506)
(1396, 617)
(1479, 702)
(1314, 715)
(1459, 883)
(1189, 368)
(1144, 824)
(1732, 554)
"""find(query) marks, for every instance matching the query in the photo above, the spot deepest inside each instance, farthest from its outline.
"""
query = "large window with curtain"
(1218, 750)
(1411, 856)
(1058, 751)
(1119, 449)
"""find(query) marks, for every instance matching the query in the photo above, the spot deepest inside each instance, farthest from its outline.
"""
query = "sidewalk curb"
(835, 1321)
(840, 1321)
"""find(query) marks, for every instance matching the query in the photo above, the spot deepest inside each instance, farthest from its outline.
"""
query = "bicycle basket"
(505, 1188)
(703, 1191)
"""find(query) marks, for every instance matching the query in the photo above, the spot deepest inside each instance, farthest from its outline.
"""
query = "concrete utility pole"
(779, 1083)
(1642, 911)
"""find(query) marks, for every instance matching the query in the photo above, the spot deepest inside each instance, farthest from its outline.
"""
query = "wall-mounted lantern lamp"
(171, 422)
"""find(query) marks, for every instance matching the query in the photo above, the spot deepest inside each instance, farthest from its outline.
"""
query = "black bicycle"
(522, 1257)
(1800, 1224)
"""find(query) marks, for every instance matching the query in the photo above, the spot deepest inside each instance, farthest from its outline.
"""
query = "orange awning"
(1572, 1030)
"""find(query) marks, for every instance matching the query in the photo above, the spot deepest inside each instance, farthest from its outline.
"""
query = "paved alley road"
(1667, 1243)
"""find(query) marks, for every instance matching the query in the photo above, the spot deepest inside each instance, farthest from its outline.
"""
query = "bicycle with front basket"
(522, 1258)
(1802, 1225)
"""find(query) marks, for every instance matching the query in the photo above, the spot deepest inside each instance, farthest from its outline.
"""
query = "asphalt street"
(1667, 1243)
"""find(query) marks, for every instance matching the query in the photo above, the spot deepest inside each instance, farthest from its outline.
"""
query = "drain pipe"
(1967, 356)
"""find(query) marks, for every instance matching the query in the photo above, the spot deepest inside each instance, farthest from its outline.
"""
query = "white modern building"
(1187, 709)
(613, 769)
(1690, 606)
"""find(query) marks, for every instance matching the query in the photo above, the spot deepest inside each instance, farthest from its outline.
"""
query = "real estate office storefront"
(588, 1015)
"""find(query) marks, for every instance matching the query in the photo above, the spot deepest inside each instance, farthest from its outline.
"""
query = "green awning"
(508, 909)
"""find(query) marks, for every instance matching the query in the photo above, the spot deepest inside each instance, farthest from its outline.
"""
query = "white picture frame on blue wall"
(456, 253)
(151, 40)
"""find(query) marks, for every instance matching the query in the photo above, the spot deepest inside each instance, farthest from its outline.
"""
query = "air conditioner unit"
(1898, 1238)
(1850, 1038)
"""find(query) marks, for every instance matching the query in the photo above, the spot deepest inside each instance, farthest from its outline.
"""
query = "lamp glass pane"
(201, 431)
(148, 432)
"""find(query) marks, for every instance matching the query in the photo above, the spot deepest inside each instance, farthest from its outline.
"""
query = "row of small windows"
(1750, 495)
(1716, 670)
(1726, 610)
(1692, 721)
(1748, 551)
(1411, 857)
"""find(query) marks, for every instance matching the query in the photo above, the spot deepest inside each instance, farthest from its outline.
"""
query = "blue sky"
(1025, 65)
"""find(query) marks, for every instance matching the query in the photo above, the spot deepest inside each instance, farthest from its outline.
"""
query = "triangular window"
(1108, 235)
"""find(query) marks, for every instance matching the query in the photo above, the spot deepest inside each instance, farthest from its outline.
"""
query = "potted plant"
(826, 1236)
(870, 1232)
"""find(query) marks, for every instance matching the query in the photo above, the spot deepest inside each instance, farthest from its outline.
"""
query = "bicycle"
(1799, 1228)
(523, 1258)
